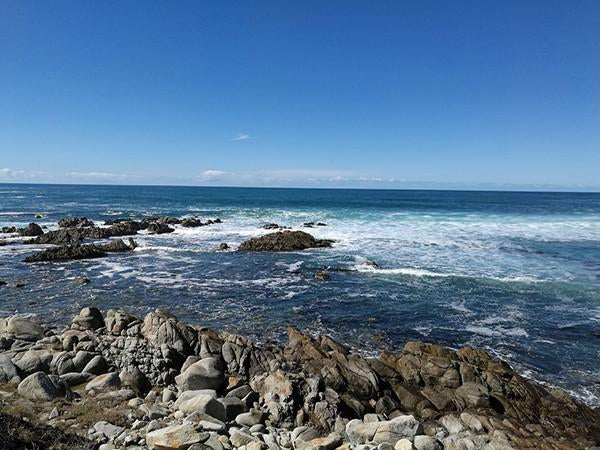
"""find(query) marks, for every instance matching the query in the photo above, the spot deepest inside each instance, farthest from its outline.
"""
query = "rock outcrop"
(80, 251)
(284, 241)
(172, 385)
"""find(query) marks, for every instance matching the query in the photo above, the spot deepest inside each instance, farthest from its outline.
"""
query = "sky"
(382, 94)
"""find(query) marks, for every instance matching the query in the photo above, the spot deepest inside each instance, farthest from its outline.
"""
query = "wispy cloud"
(93, 174)
(5, 173)
(213, 175)
(241, 137)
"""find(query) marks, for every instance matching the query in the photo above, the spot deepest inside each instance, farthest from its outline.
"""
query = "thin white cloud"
(241, 137)
(6, 173)
(95, 175)
(213, 175)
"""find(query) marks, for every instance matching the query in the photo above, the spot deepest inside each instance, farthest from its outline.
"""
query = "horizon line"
(508, 190)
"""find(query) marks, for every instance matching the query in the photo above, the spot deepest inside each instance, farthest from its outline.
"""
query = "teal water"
(515, 273)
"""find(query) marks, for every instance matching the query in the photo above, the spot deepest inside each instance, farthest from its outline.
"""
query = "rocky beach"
(110, 379)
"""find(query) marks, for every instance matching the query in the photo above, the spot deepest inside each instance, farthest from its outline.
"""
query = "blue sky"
(466, 94)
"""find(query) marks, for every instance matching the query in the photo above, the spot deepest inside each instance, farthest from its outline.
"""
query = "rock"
(97, 365)
(239, 438)
(473, 394)
(250, 418)
(161, 327)
(389, 431)
(472, 422)
(329, 442)
(283, 241)
(69, 222)
(33, 361)
(204, 374)
(54, 413)
(76, 378)
(159, 228)
(201, 401)
(423, 442)
(178, 437)
(39, 386)
(24, 328)
(108, 430)
(453, 424)
(233, 407)
(9, 373)
(135, 379)
(117, 321)
(33, 229)
(223, 246)
(89, 318)
(105, 381)
(322, 275)
(403, 444)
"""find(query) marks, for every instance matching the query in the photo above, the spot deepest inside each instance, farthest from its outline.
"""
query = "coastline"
(166, 380)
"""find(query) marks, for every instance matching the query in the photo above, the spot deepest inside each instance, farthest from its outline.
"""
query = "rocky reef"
(117, 381)
(284, 241)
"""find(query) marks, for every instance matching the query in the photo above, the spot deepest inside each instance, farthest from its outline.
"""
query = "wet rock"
(69, 222)
(223, 246)
(39, 386)
(79, 251)
(284, 241)
(33, 229)
(159, 228)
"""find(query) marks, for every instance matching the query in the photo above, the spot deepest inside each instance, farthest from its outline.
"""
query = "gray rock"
(39, 386)
(134, 378)
(473, 394)
(24, 328)
(423, 442)
(178, 437)
(97, 365)
(33, 361)
(9, 373)
(76, 378)
(239, 438)
(202, 401)
(249, 418)
(81, 359)
(204, 374)
(108, 430)
(54, 413)
(452, 424)
(88, 319)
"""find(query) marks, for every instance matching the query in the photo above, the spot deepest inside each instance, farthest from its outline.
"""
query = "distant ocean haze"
(515, 273)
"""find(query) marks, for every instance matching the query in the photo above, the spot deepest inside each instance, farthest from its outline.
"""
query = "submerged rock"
(283, 241)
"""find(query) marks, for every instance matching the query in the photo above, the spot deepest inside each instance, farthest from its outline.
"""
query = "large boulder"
(204, 374)
(39, 386)
(23, 328)
(284, 241)
(161, 327)
(9, 372)
(89, 318)
(159, 228)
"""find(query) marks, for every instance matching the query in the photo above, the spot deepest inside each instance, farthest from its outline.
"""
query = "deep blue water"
(515, 273)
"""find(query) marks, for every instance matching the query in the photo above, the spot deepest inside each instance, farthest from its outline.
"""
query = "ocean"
(514, 273)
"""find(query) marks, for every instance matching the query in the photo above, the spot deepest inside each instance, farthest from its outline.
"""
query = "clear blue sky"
(301, 93)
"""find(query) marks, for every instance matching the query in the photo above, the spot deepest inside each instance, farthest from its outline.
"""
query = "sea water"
(514, 273)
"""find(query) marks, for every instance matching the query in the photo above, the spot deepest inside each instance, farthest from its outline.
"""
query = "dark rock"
(223, 246)
(33, 229)
(284, 241)
(69, 222)
(80, 251)
(322, 275)
(159, 228)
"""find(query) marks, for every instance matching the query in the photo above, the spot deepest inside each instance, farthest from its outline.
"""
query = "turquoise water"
(515, 273)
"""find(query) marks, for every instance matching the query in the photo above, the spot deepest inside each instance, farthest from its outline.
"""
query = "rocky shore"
(113, 380)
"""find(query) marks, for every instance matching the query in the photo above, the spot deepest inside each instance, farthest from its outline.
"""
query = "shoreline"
(167, 380)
